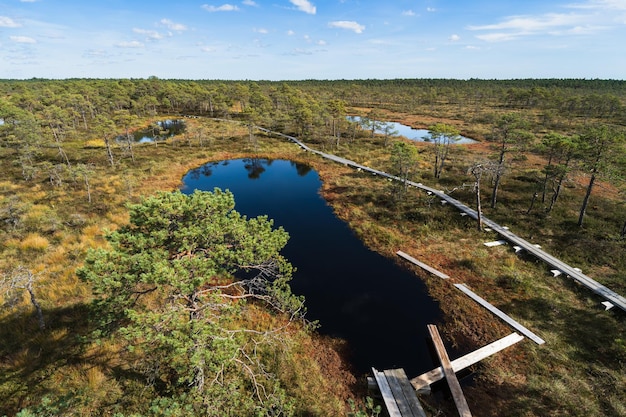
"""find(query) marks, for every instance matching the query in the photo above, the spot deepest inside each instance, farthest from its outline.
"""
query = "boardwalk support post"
(448, 372)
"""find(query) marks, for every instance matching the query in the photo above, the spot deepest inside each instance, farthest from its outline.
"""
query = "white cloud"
(151, 34)
(173, 26)
(7, 22)
(22, 39)
(208, 49)
(290, 33)
(95, 53)
(600, 4)
(582, 30)
(223, 8)
(454, 38)
(431, 9)
(262, 31)
(29, 1)
(131, 44)
(533, 23)
(299, 51)
(347, 24)
(408, 13)
(304, 6)
(514, 27)
(250, 3)
(499, 37)
(321, 42)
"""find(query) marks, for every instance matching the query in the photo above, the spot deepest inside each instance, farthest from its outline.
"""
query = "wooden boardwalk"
(448, 373)
(422, 382)
(422, 265)
(398, 394)
(517, 326)
(551, 261)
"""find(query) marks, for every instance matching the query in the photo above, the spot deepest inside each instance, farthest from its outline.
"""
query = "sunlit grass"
(34, 242)
(555, 379)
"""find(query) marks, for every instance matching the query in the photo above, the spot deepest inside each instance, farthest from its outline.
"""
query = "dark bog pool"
(379, 308)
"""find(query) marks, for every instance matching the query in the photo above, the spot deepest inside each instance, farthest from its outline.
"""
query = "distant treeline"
(578, 97)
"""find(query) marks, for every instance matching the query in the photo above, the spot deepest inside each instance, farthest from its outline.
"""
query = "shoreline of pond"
(358, 309)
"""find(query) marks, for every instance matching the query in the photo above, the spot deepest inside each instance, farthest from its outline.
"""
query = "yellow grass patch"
(57, 257)
(34, 242)
(94, 143)
(11, 243)
(95, 378)
(8, 186)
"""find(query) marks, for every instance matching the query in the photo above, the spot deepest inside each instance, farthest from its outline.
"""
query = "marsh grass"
(579, 372)
(59, 369)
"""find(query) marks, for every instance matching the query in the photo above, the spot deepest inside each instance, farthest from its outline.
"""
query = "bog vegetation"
(118, 298)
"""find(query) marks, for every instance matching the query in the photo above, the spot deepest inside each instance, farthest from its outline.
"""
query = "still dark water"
(380, 309)
(162, 130)
(420, 135)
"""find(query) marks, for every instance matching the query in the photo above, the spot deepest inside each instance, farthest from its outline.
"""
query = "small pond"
(378, 307)
(161, 130)
(410, 133)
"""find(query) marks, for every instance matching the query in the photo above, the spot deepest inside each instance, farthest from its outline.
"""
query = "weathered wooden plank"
(422, 382)
(422, 265)
(495, 243)
(448, 372)
(396, 389)
(517, 326)
(404, 389)
(385, 390)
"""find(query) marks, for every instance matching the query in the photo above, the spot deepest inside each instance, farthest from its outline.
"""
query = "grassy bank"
(579, 371)
(59, 371)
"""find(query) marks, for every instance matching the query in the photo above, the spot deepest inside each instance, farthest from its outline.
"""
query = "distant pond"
(379, 308)
(408, 132)
(161, 130)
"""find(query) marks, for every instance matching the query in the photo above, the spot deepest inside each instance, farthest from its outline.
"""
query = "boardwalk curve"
(551, 261)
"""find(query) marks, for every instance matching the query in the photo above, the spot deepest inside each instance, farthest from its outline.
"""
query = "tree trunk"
(129, 142)
(557, 192)
(583, 209)
(532, 203)
(107, 143)
(87, 187)
(479, 213)
(622, 234)
(494, 192)
(499, 170)
(545, 180)
(444, 156)
(33, 300)
(57, 140)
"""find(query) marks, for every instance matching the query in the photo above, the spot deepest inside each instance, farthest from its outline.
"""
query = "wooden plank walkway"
(398, 394)
(422, 265)
(517, 326)
(448, 372)
(422, 382)
(515, 240)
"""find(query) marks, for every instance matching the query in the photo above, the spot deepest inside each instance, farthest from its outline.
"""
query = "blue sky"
(313, 39)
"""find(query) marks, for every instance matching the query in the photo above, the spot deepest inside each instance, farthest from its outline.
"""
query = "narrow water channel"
(379, 308)
(419, 135)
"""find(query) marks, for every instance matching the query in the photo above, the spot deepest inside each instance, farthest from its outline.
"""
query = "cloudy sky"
(313, 39)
